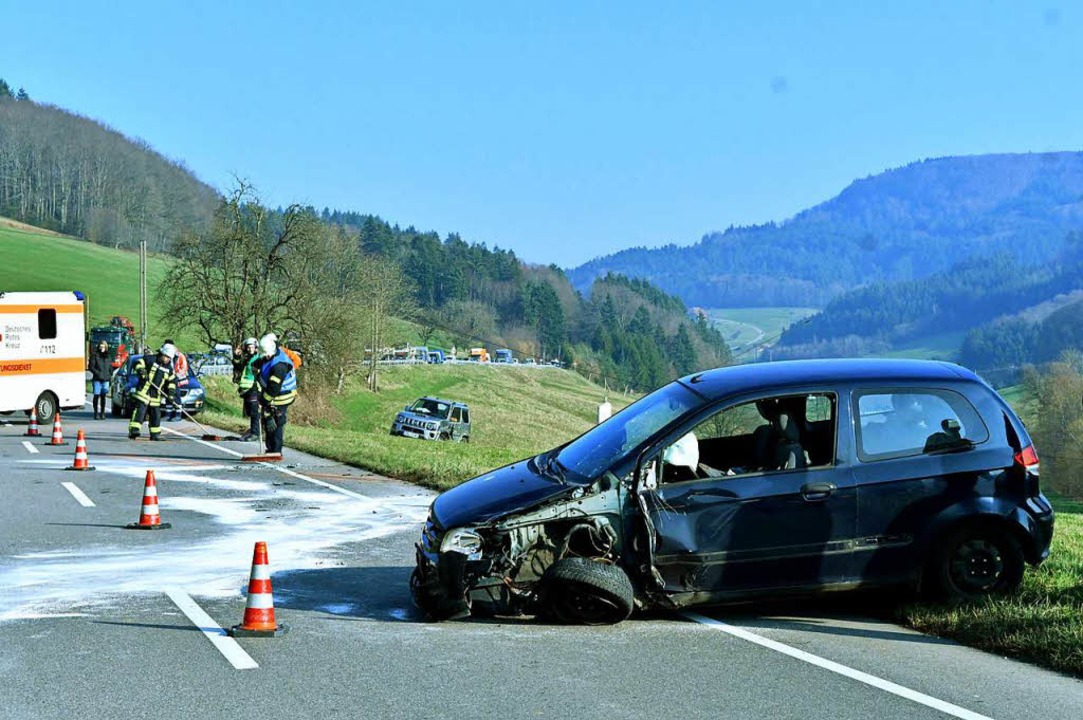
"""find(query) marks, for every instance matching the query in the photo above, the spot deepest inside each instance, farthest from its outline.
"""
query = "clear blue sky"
(562, 130)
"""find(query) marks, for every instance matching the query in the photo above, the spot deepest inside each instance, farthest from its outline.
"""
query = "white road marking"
(171, 431)
(885, 685)
(78, 494)
(30, 448)
(226, 645)
(284, 471)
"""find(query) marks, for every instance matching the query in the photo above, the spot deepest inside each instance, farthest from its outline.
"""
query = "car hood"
(507, 490)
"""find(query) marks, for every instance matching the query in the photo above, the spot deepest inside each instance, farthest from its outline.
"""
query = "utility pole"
(142, 294)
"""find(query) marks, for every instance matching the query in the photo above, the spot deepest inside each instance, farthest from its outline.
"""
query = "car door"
(919, 451)
(748, 528)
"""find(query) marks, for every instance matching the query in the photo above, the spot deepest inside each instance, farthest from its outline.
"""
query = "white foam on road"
(838, 668)
(301, 526)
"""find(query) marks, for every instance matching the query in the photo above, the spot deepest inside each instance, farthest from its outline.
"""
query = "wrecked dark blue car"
(752, 480)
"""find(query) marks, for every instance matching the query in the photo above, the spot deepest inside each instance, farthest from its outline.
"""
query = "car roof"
(749, 378)
(441, 400)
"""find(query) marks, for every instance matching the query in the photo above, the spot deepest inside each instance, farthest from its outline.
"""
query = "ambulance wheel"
(46, 405)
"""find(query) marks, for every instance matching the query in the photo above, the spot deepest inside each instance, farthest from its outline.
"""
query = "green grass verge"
(515, 413)
(1042, 624)
(943, 346)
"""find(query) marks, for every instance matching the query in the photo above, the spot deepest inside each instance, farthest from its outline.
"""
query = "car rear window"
(908, 422)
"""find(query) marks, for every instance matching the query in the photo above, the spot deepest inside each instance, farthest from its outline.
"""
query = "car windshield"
(432, 408)
(597, 450)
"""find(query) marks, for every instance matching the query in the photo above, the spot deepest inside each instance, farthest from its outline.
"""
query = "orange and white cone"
(259, 611)
(82, 462)
(149, 519)
(32, 431)
(58, 432)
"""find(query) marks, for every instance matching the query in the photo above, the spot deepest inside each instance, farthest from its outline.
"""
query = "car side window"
(456, 415)
(904, 423)
(466, 416)
(785, 432)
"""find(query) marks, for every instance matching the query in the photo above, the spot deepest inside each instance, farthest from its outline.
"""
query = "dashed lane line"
(29, 447)
(78, 494)
(862, 677)
(230, 649)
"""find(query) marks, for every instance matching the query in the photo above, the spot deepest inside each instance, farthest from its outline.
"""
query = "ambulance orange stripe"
(33, 309)
(41, 366)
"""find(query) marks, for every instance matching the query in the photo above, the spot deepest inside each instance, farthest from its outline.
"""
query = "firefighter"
(180, 370)
(277, 379)
(248, 389)
(157, 384)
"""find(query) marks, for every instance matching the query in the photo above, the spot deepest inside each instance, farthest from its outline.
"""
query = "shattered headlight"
(462, 540)
(432, 425)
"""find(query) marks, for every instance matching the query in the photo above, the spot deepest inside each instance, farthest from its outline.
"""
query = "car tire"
(444, 436)
(974, 562)
(585, 592)
(46, 406)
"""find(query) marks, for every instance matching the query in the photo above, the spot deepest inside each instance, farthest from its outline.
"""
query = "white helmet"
(683, 453)
(250, 341)
(268, 344)
(168, 350)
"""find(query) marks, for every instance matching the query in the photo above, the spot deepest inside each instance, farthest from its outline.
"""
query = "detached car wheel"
(975, 562)
(582, 591)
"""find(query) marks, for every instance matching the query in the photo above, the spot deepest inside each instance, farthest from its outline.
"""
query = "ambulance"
(42, 353)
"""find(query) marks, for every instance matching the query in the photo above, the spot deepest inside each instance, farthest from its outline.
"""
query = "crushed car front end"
(490, 545)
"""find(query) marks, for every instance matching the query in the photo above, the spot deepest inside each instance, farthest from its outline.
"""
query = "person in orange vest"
(180, 372)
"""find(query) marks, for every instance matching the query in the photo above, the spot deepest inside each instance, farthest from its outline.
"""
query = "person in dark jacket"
(100, 366)
(248, 389)
(277, 379)
(156, 385)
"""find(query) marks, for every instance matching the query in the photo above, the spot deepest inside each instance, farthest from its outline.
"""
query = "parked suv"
(434, 419)
(751, 480)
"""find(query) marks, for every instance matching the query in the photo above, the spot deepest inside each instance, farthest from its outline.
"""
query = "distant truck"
(503, 355)
(479, 355)
(436, 356)
(42, 352)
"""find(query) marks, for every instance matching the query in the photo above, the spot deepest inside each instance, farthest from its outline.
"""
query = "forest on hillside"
(981, 295)
(901, 225)
(67, 173)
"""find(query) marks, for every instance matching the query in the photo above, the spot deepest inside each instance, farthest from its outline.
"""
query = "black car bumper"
(439, 585)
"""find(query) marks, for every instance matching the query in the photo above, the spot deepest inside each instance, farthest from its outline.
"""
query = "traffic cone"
(32, 431)
(58, 432)
(149, 519)
(82, 462)
(259, 611)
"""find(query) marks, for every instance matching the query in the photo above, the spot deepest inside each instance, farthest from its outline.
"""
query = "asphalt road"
(92, 625)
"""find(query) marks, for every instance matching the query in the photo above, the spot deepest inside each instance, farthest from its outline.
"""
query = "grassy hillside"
(515, 412)
(37, 260)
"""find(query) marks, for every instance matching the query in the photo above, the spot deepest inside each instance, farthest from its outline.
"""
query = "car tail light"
(1027, 458)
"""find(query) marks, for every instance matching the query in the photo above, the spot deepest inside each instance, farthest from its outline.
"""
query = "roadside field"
(37, 260)
(744, 326)
(515, 413)
(943, 346)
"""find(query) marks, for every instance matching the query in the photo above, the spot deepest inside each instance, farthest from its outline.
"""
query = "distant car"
(434, 419)
(212, 364)
(123, 385)
(746, 481)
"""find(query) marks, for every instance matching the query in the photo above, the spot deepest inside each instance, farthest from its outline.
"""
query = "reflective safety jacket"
(156, 382)
(248, 375)
(180, 368)
(278, 379)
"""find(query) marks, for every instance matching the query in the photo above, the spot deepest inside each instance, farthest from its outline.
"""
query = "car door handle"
(818, 490)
